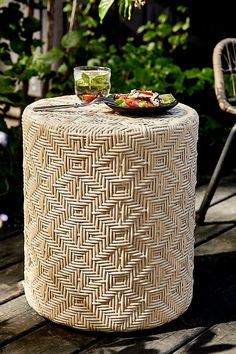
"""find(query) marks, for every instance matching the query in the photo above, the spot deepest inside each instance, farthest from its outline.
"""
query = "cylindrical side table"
(109, 215)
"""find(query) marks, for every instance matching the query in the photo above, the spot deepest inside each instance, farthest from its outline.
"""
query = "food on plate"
(166, 99)
(139, 98)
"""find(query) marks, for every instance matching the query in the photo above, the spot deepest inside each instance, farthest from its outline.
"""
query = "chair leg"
(200, 214)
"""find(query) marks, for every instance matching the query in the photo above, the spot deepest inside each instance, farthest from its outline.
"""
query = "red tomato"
(118, 95)
(137, 102)
(132, 102)
(89, 98)
(148, 93)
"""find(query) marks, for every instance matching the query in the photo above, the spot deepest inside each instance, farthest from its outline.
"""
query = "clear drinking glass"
(92, 82)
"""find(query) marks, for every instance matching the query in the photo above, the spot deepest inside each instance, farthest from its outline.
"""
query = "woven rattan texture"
(109, 216)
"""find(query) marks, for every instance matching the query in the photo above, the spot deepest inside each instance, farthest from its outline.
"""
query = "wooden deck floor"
(208, 326)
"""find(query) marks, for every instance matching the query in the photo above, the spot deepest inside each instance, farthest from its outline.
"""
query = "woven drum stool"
(109, 215)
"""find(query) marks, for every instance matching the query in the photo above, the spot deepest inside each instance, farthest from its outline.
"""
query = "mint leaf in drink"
(99, 80)
(86, 79)
(81, 83)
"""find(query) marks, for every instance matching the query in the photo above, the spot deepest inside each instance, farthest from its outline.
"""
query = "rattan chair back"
(224, 66)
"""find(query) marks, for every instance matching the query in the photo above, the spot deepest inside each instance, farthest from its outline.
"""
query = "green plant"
(125, 7)
(10, 159)
(151, 63)
(17, 46)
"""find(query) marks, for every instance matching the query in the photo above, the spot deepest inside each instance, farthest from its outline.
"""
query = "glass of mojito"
(92, 82)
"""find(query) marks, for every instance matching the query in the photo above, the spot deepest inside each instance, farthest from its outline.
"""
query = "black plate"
(139, 111)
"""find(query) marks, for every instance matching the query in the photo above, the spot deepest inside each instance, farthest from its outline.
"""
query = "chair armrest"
(223, 102)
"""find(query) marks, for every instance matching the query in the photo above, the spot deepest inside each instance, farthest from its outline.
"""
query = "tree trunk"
(25, 82)
(50, 25)
(49, 41)
(73, 18)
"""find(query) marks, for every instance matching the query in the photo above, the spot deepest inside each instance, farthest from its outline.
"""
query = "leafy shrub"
(16, 52)
(17, 46)
(10, 159)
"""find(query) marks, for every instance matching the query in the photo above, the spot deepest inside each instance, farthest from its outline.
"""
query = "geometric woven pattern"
(109, 215)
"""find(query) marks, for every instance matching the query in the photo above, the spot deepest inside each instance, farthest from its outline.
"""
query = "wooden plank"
(17, 317)
(214, 281)
(219, 338)
(9, 233)
(226, 187)
(224, 211)
(221, 216)
(14, 225)
(50, 339)
(208, 231)
(226, 242)
(141, 343)
(11, 250)
(19, 331)
(11, 282)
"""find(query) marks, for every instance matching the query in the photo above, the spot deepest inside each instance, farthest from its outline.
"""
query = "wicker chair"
(224, 67)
